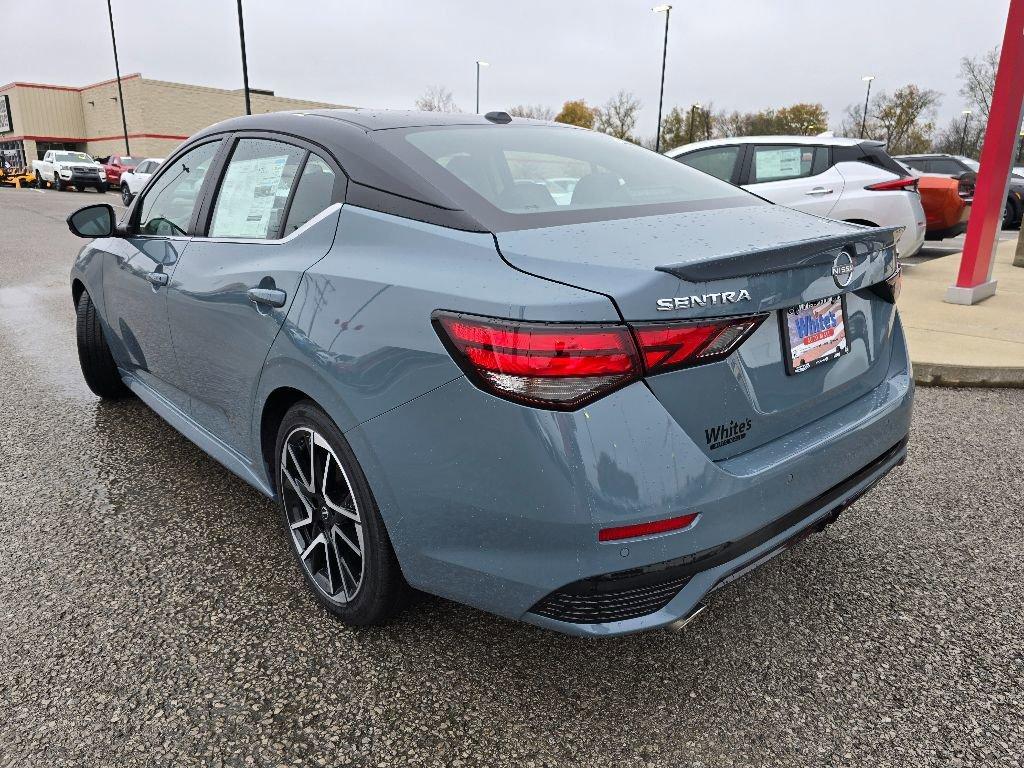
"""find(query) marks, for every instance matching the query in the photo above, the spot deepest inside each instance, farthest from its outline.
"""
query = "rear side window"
(779, 163)
(918, 164)
(313, 194)
(167, 207)
(254, 192)
(946, 165)
(717, 161)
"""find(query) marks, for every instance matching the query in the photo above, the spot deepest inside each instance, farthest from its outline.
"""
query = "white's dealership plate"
(815, 333)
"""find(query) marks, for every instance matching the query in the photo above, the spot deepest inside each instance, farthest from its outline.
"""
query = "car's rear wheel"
(1009, 214)
(57, 183)
(126, 195)
(98, 366)
(40, 181)
(331, 518)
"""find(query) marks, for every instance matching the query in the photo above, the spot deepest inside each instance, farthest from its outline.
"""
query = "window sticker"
(247, 195)
(777, 163)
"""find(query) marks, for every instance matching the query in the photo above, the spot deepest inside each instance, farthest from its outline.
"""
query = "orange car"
(947, 204)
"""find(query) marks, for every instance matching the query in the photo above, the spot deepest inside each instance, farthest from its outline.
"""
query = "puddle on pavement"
(39, 324)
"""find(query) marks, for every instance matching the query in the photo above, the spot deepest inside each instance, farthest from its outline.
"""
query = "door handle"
(158, 279)
(820, 191)
(271, 297)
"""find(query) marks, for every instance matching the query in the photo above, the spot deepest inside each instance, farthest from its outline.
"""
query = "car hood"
(777, 254)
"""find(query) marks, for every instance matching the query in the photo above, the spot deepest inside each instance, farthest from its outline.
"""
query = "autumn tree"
(801, 120)
(904, 120)
(437, 99)
(618, 116)
(534, 111)
(979, 81)
(576, 112)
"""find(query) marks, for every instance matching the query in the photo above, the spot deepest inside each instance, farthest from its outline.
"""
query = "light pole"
(478, 65)
(245, 66)
(864, 121)
(963, 136)
(667, 10)
(117, 71)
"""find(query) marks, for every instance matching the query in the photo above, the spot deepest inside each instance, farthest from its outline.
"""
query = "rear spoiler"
(779, 258)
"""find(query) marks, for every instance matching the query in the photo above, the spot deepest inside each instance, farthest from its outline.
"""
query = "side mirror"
(92, 221)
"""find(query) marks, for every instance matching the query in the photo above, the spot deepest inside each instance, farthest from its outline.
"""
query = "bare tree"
(534, 111)
(618, 117)
(904, 120)
(979, 80)
(437, 99)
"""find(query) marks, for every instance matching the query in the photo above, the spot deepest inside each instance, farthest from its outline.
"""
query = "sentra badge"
(703, 300)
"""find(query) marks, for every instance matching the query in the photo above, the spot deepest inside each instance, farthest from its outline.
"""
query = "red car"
(115, 165)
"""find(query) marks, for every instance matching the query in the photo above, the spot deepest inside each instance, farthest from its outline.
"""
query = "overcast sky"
(740, 54)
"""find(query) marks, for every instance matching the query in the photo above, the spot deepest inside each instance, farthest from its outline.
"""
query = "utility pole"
(245, 66)
(667, 10)
(117, 71)
(864, 122)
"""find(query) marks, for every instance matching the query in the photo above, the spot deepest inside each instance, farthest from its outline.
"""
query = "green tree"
(576, 113)
(801, 120)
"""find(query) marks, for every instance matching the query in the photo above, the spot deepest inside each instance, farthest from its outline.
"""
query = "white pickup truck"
(61, 169)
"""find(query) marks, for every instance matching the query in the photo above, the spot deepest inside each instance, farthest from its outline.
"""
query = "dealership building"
(160, 115)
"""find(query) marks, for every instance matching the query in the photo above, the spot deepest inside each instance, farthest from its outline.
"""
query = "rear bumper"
(502, 509)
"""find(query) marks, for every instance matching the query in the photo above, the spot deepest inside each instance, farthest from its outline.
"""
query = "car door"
(232, 289)
(722, 162)
(798, 176)
(138, 268)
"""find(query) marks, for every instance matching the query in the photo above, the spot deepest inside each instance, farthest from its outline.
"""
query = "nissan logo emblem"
(842, 269)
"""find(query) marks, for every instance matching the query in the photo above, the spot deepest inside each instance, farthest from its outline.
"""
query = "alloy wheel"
(322, 514)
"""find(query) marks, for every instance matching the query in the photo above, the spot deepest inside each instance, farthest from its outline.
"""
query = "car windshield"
(72, 157)
(129, 161)
(542, 169)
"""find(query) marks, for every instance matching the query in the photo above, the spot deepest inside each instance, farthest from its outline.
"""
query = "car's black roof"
(377, 178)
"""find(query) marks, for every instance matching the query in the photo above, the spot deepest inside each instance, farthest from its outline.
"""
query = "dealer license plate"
(815, 333)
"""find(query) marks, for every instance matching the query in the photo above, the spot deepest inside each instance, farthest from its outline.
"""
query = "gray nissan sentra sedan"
(521, 365)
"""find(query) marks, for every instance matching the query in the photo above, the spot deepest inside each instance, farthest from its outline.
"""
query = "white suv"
(849, 179)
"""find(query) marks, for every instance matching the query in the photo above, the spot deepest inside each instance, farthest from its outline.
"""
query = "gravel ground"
(152, 616)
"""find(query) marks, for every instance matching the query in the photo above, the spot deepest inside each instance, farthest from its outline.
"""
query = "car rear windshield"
(539, 171)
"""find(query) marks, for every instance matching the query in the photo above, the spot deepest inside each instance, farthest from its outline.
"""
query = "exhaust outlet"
(680, 624)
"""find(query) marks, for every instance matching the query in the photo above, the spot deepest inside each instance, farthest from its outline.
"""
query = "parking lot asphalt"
(151, 614)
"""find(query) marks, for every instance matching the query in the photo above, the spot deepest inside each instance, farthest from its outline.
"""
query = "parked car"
(946, 201)
(584, 414)
(115, 165)
(60, 169)
(847, 179)
(955, 166)
(134, 180)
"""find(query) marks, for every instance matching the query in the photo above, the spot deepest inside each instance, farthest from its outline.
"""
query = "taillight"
(564, 365)
(666, 346)
(908, 183)
(553, 364)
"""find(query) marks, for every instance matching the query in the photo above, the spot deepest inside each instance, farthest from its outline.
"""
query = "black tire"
(126, 195)
(98, 366)
(381, 589)
(40, 182)
(1009, 214)
(58, 185)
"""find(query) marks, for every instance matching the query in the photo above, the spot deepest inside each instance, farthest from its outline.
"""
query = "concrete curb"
(944, 375)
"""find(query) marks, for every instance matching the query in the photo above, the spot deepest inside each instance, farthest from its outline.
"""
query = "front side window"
(168, 205)
(779, 163)
(541, 169)
(254, 192)
(314, 192)
(717, 161)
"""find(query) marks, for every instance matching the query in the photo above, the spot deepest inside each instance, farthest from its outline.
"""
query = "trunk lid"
(737, 261)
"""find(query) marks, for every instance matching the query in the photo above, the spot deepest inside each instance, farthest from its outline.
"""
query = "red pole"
(974, 282)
